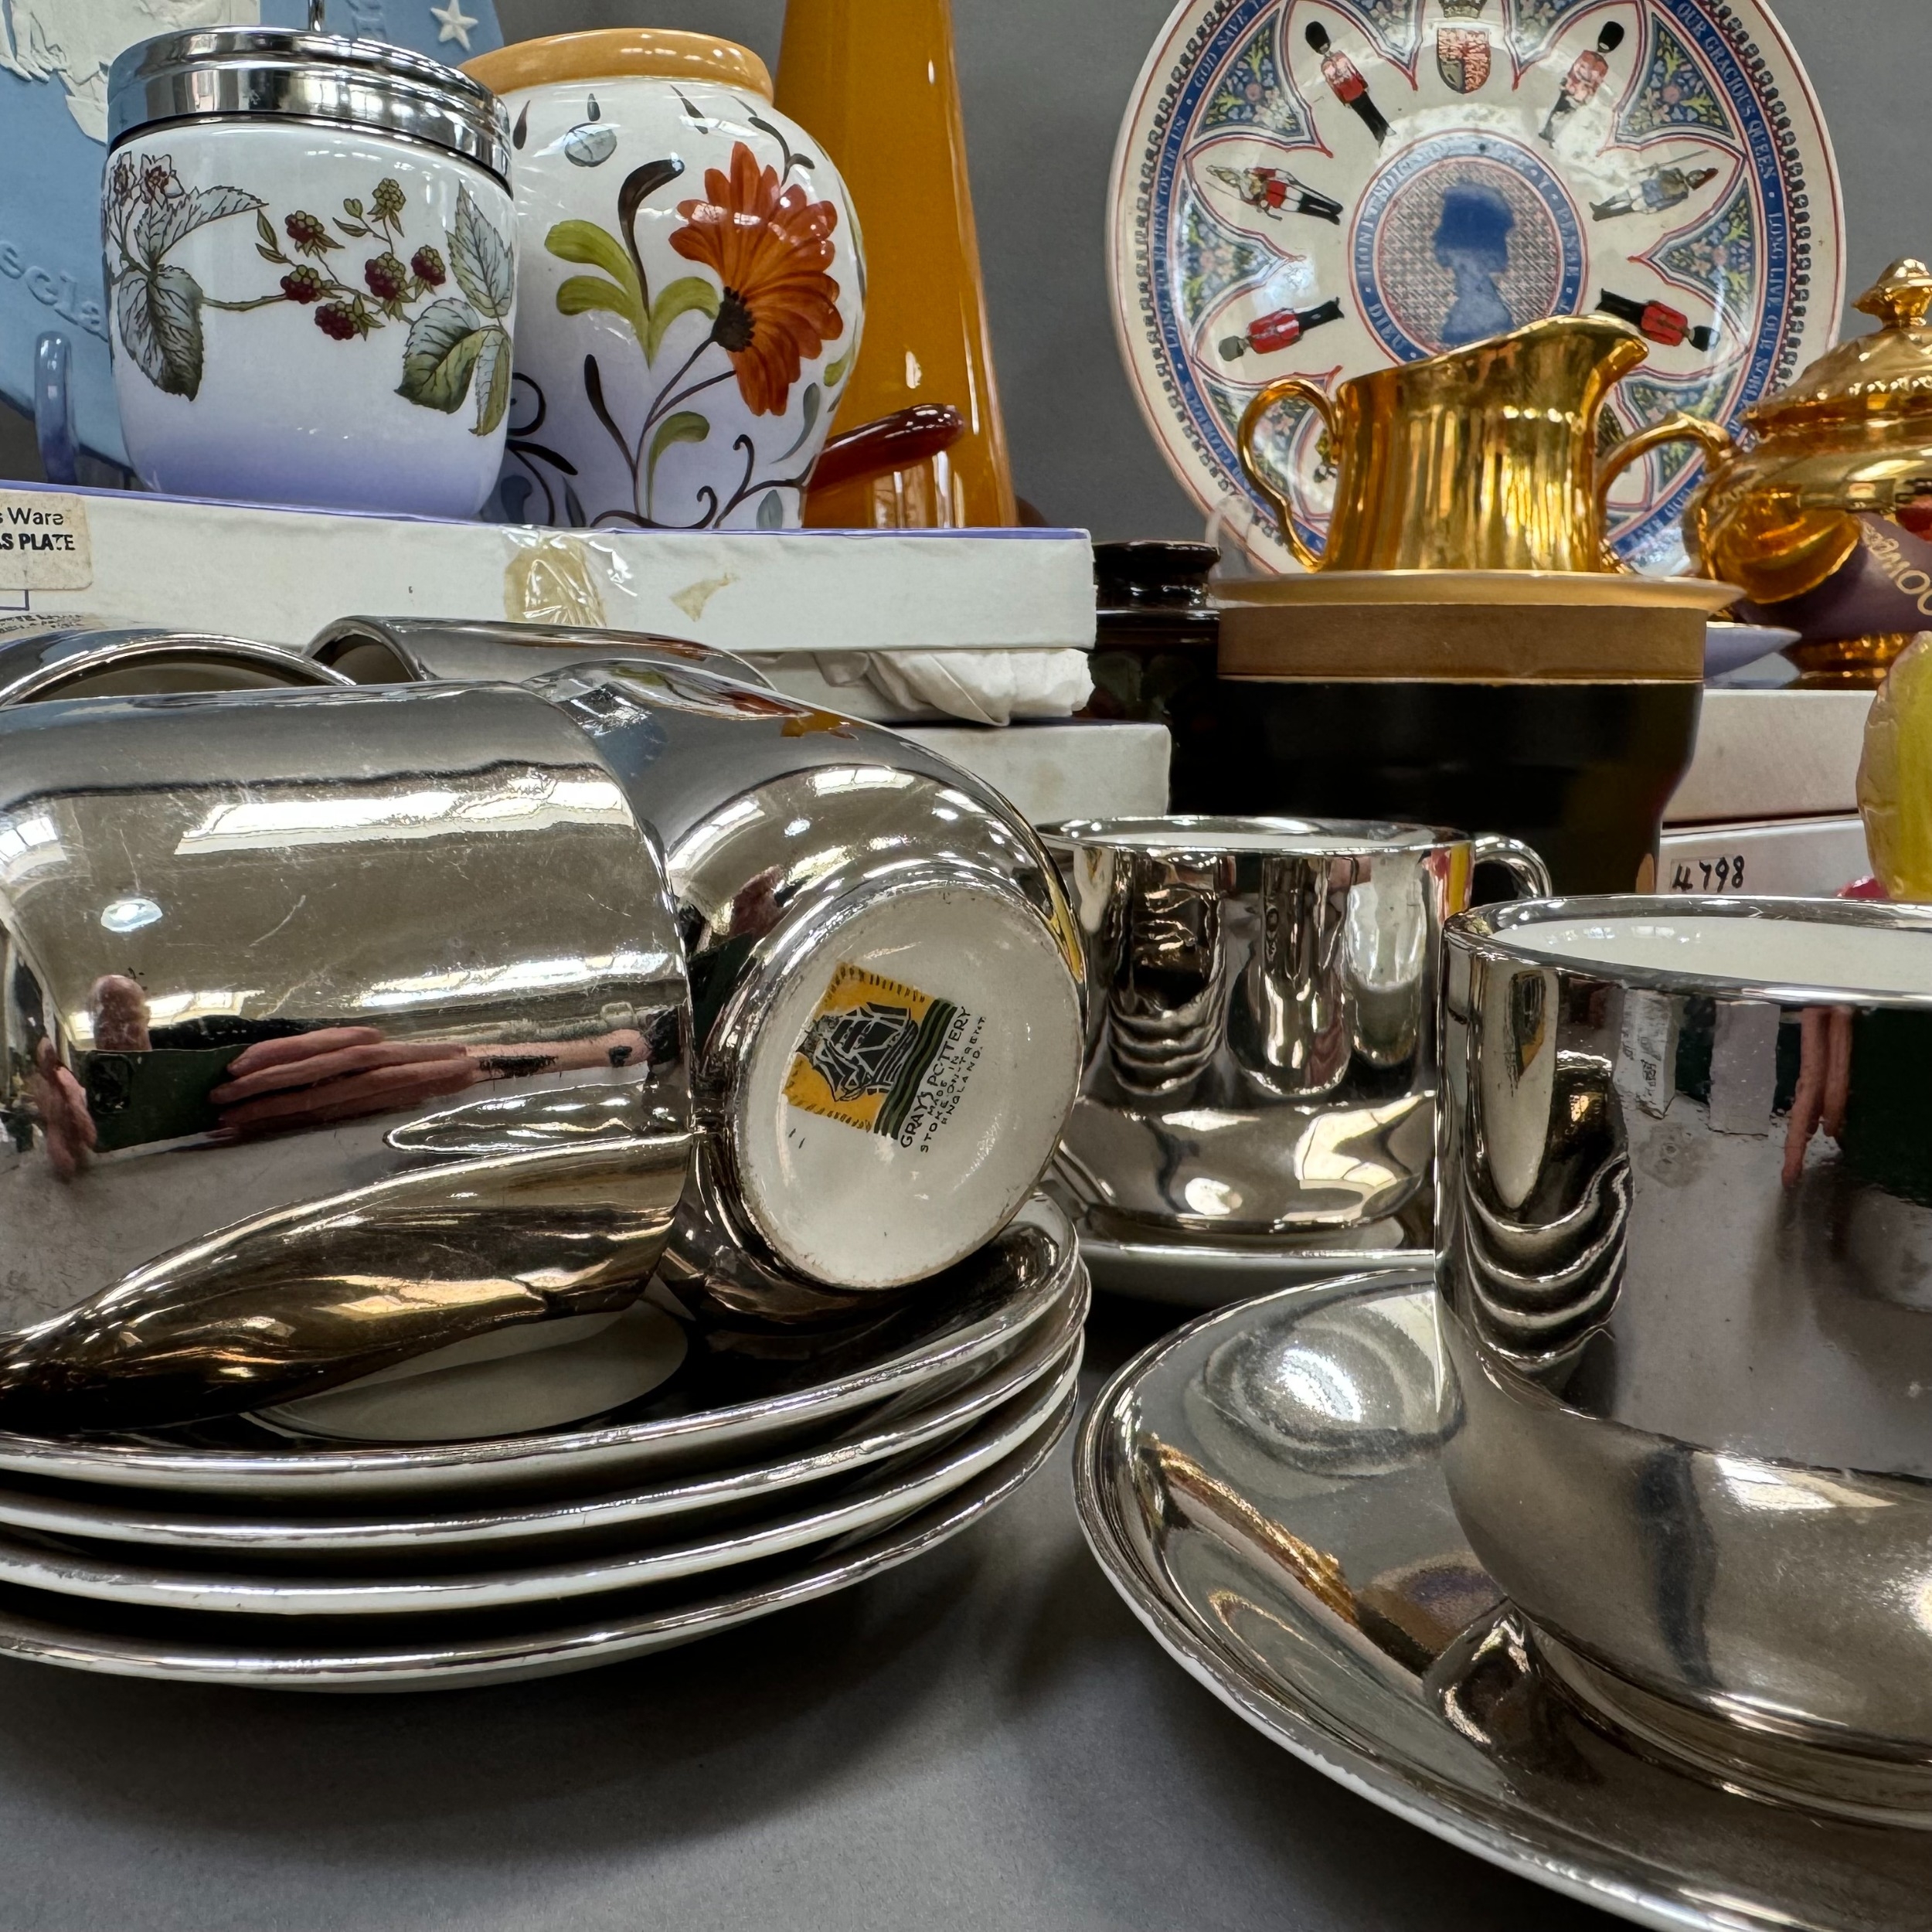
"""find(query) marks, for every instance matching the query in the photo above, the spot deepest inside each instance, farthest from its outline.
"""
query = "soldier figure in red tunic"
(1272, 189)
(1282, 329)
(1658, 320)
(1345, 82)
(1587, 73)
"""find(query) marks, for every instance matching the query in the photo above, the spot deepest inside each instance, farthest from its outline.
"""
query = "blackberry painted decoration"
(311, 272)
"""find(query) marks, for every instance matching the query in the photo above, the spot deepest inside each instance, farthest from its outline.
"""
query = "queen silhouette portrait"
(1472, 242)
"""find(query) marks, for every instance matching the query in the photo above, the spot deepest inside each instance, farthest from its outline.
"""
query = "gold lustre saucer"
(1483, 626)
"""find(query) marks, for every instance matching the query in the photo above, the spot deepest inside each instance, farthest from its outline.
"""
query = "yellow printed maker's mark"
(872, 1045)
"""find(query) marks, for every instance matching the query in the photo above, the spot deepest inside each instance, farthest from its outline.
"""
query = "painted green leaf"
(809, 409)
(584, 241)
(686, 426)
(493, 362)
(835, 373)
(677, 298)
(166, 222)
(771, 512)
(159, 312)
(579, 294)
(480, 258)
(444, 342)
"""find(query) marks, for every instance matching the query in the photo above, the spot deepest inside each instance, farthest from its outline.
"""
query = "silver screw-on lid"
(223, 72)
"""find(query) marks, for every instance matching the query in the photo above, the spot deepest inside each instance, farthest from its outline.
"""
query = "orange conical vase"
(874, 81)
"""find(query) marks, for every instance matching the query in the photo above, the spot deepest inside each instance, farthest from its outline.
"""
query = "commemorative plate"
(1322, 188)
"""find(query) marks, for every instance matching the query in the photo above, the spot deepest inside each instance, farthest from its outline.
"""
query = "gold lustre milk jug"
(1483, 458)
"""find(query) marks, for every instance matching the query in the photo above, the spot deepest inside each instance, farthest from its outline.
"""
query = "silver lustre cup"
(335, 1027)
(1260, 1051)
(884, 983)
(1685, 1210)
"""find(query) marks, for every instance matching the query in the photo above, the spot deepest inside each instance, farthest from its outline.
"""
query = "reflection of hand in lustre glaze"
(68, 1127)
(1824, 1084)
(344, 1072)
(337, 1073)
(1472, 242)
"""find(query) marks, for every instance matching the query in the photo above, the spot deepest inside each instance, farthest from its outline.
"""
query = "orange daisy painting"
(770, 249)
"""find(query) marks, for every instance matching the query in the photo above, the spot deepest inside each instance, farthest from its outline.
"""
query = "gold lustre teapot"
(1483, 458)
(1851, 437)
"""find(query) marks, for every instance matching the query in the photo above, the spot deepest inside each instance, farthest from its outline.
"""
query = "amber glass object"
(874, 80)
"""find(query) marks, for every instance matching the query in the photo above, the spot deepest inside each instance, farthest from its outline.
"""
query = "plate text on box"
(44, 544)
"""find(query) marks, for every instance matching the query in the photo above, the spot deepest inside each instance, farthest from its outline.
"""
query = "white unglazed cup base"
(1767, 951)
(870, 1209)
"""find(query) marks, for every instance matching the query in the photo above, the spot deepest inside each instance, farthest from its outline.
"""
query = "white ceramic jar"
(311, 263)
(693, 285)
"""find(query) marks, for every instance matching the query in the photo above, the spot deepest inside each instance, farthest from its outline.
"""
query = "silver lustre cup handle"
(1523, 863)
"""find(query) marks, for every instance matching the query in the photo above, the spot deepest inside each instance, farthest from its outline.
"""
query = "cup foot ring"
(1737, 1753)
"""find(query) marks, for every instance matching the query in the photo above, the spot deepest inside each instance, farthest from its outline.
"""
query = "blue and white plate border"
(1791, 152)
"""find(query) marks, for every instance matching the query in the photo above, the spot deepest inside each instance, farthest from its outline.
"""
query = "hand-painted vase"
(311, 272)
(692, 285)
(874, 81)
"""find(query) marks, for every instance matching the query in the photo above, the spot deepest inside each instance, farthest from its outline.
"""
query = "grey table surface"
(984, 1738)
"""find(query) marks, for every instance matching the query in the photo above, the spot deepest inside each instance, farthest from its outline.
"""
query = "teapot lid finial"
(1901, 296)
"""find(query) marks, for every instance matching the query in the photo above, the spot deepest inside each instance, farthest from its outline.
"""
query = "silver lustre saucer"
(764, 1395)
(266, 1587)
(1264, 1488)
(1145, 1266)
(531, 1528)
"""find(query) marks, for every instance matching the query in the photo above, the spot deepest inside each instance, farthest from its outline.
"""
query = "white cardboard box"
(279, 575)
(1773, 754)
(1056, 771)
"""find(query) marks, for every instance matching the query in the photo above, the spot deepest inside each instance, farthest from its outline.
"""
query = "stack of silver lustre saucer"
(747, 1481)
(495, 1180)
